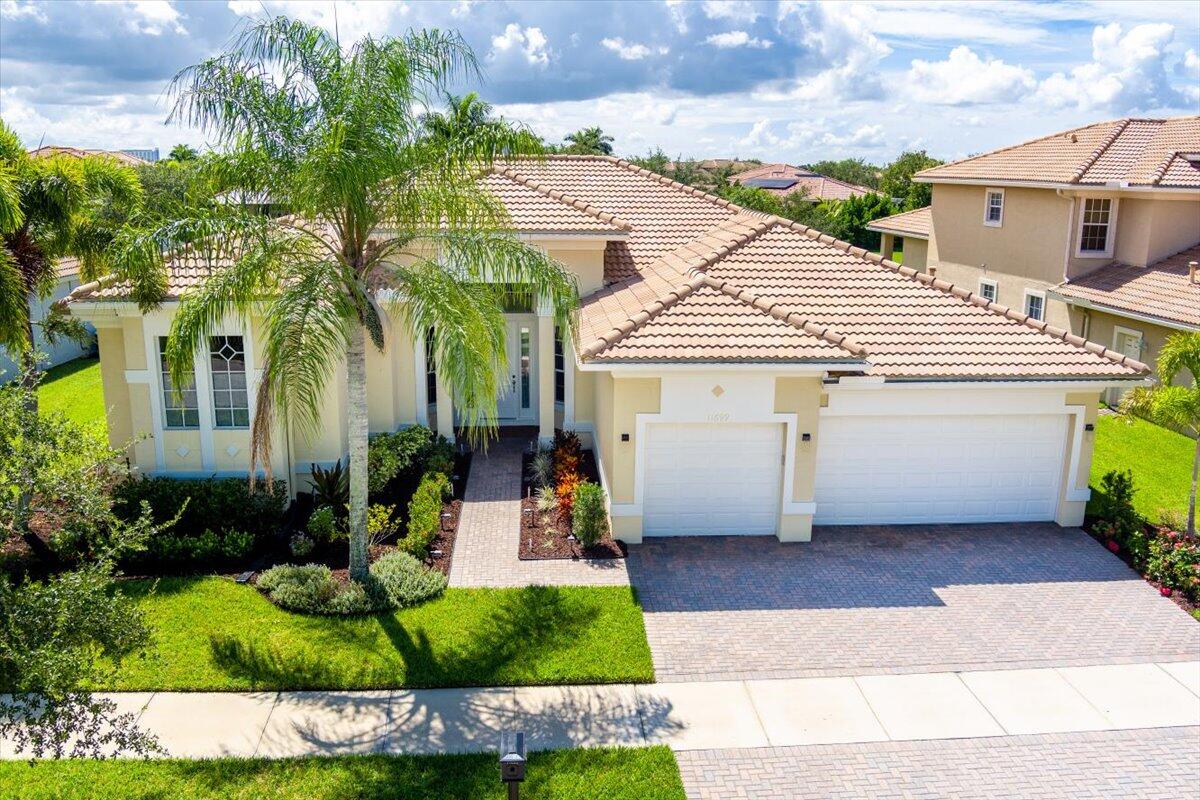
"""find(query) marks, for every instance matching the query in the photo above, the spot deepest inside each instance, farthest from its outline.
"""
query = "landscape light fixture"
(512, 761)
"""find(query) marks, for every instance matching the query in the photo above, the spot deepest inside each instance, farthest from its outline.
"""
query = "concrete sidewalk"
(685, 716)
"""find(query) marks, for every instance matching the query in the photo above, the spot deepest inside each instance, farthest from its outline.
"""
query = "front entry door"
(1127, 343)
(515, 389)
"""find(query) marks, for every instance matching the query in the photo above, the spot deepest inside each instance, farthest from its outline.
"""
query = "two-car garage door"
(897, 469)
(726, 479)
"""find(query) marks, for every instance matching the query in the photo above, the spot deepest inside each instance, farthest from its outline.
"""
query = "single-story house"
(908, 232)
(734, 372)
(60, 351)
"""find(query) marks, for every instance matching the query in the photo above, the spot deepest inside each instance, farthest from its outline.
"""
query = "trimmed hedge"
(589, 521)
(221, 521)
(425, 513)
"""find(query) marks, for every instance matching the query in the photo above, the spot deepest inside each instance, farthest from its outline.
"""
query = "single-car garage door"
(711, 480)
(884, 470)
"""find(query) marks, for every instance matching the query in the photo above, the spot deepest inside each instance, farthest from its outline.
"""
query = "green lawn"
(74, 388)
(613, 774)
(213, 634)
(1160, 459)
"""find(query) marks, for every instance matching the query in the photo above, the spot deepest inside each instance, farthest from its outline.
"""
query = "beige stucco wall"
(111, 342)
(1152, 229)
(1071, 512)
(916, 253)
(617, 403)
(1101, 328)
(802, 397)
(582, 257)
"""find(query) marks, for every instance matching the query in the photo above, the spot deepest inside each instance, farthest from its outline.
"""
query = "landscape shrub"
(214, 503)
(1174, 562)
(300, 545)
(396, 580)
(1114, 503)
(589, 522)
(425, 513)
(381, 524)
(323, 525)
(545, 499)
(390, 454)
(541, 469)
(568, 456)
(331, 487)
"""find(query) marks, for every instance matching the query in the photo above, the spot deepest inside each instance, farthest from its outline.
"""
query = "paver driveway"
(860, 600)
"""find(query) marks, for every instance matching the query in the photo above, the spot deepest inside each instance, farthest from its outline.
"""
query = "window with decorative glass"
(182, 409)
(560, 371)
(227, 364)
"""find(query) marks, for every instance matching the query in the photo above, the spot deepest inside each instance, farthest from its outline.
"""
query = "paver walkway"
(489, 530)
(861, 600)
(685, 716)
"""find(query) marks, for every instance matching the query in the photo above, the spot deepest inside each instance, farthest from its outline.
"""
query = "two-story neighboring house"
(1091, 230)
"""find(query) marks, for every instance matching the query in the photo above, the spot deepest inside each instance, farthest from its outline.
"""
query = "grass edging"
(649, 773)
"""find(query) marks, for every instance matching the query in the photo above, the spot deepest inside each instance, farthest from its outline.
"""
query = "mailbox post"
(512, 761)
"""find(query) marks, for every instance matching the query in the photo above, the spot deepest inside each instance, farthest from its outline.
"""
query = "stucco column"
(445, 409)
(545, 373)
(887, 245)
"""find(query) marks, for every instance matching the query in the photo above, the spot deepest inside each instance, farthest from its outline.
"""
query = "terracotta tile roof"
(701, 279)
(1160, 290)
(817, 186)
(55, 150)
(917, 223)
(1140, 152)
(906, 324)
(534, 208)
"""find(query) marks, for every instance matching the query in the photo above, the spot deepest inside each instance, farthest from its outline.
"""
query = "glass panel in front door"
(526, 378)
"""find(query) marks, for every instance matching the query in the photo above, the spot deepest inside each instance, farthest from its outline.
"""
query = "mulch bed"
(548, 536)
(1177, 597)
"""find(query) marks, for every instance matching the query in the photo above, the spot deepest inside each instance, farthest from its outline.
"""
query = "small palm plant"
(384, 219)
(1174, 406)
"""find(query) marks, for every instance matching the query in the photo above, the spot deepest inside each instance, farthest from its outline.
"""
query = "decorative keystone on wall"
(233, 450)
(717, 390)
(182, 451)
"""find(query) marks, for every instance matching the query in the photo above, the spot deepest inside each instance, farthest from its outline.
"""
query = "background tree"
(467, 125)
(896, 181)
(51, 208)
(588, 141)
(850, 170)
(336, 136)
(61, 635)
(183, 152)
(1174, 406)
(754, 198)
(655, 160)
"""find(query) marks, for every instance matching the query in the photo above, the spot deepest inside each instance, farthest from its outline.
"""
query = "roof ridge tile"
(1100, 150)
(561, 197)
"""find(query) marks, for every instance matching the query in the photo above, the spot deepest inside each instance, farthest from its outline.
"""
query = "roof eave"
(1088, 303)
(803, 367)
(1124, 187)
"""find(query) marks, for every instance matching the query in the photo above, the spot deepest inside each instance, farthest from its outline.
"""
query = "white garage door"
(712, 480)
(876, 470)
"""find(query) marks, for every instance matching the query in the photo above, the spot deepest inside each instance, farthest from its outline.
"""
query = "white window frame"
(995, 287)
(1111, 237)
(1041, 295)
(987, 206)
(213, 390)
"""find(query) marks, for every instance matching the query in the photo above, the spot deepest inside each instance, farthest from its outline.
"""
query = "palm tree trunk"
(1191, 524)
(356, 386)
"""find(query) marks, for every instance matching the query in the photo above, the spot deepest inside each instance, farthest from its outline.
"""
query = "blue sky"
(782, 81)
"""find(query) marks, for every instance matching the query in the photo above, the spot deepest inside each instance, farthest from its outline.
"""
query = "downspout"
(1070, 198)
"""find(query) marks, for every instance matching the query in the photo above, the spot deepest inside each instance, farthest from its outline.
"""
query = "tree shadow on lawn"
(522, 628)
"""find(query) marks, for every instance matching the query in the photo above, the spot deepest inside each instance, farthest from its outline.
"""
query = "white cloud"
(462, 9)
(843, 38)
(631, 51)
(1191, 60)
(16, 9)
(678, 10)
(151, 17)
(1128, 72)
(738, 10)
(966, 79)
(351, 20)
(529, 42)
(732, 39)
(810, 134)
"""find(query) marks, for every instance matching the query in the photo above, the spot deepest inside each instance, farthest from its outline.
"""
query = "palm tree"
(51, 208)
(383, 217)
(1174, 406)
(468, 118)
(183, 152)
(589, 141)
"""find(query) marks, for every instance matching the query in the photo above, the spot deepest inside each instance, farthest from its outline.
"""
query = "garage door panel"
(711, 479)
(914, 469)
